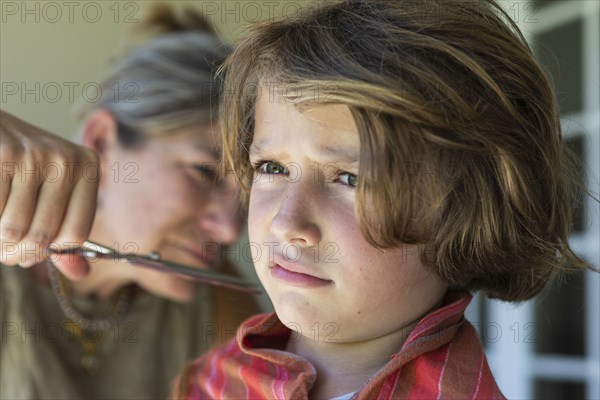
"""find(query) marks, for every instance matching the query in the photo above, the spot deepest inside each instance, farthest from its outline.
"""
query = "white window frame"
(512, 358)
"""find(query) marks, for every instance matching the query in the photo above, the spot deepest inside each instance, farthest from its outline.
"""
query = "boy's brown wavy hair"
(461, 146)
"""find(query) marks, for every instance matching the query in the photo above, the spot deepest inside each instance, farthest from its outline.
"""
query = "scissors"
(91, 250)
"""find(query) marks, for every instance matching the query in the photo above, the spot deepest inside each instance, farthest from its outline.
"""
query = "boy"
(397, 156)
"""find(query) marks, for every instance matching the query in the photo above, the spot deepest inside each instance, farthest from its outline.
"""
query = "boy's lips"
(295, 274)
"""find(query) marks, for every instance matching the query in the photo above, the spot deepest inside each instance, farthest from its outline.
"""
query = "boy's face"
(325, 280)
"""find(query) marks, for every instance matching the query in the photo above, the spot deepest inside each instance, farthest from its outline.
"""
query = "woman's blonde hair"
(461, 147)
(169, 82)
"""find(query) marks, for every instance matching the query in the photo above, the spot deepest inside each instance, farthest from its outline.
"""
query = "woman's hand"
(48, 192)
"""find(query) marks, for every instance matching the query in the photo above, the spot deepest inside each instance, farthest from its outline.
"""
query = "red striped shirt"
(442, 358)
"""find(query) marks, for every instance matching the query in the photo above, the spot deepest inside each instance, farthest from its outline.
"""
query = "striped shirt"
(442, 358)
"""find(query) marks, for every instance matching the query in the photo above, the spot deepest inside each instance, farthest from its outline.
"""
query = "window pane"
(560, 52)
(577, 144)
(559, 390)
(559, 315)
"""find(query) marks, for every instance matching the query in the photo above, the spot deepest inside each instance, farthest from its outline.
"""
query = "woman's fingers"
(50, 208)
(49, 188)
(16, 218)
(5, 182)
(77, 222)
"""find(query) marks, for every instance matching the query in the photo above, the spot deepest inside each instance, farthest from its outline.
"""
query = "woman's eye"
(209, 171)
(269, 167)
(348, 179)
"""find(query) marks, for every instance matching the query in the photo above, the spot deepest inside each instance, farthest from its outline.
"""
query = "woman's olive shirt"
(41, 353)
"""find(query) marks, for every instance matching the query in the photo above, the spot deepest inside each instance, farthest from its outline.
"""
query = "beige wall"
(52, 52)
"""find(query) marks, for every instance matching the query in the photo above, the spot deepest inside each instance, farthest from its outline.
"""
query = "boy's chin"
(304, 321)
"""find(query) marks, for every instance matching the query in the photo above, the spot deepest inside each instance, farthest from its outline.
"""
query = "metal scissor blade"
(91, 250)
(201, 275)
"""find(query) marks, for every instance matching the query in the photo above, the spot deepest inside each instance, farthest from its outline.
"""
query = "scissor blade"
(91, 250)
(202, 275)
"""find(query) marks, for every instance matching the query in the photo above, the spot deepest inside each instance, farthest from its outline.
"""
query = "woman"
(151, 153)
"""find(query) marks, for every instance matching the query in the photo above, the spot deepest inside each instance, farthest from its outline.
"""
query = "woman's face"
(164, 197)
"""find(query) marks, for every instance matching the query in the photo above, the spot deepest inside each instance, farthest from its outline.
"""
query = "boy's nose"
(293, 221)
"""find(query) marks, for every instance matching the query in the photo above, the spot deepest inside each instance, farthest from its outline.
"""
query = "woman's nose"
(294, 221)
(222, 219)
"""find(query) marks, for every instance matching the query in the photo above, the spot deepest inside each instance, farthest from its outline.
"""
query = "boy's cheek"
(260, 208)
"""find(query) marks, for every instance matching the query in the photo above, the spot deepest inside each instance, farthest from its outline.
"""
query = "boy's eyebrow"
(259, 149)
(346, 155)
(332, 154)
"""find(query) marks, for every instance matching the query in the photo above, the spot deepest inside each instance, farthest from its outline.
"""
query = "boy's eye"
(348, 179)
(269, 167)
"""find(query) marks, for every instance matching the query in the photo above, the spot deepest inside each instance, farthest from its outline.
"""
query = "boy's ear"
(99, 133)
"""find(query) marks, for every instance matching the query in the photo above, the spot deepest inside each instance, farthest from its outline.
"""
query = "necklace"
(82, 326)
